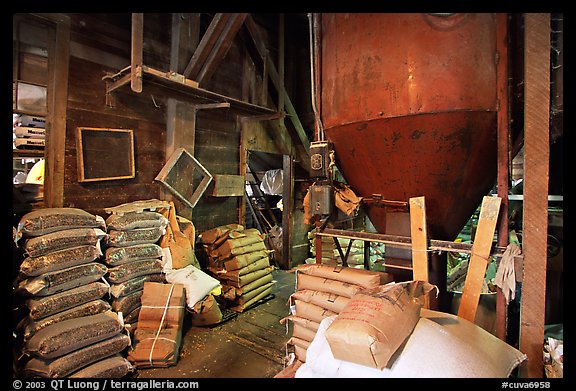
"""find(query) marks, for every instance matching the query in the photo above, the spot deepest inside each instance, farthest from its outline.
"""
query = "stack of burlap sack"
(133, 254)
(239, 259)
(385, 332)
(69, 329)
(322, 291)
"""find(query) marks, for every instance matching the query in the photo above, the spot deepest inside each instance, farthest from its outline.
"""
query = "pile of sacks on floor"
(80, 293)
(133, 255)
(371, 329)
(239, 259)
(322, 291)
(70, 329)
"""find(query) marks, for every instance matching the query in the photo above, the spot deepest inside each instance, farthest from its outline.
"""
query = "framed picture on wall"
(105, 154)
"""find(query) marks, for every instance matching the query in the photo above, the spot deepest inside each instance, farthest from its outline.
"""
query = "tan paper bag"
(375, 322)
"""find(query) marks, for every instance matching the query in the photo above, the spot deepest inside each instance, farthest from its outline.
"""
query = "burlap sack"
(206, 312)
(225, 251)
(244, 260)
(260, 296)
(248, 296)
(374, 323)
(30, 326)
(248, 278)
(61, 280)
(42, 307)
(135, 220)
(47, 220)
(259, 264)
(72, 334)
(60, 240)
(109, 368)
(211, 235)
(265, 279)
(74, 361)
(58, 260)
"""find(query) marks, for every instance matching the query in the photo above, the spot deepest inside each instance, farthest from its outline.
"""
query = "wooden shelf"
(37, 153)
(177, 86)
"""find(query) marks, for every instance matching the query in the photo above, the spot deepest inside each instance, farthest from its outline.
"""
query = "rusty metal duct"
(410, 104)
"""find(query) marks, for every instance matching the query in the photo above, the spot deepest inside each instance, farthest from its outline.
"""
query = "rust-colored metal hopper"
(410, 104)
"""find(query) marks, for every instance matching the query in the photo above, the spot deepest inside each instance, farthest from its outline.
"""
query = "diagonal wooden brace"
(479, 258)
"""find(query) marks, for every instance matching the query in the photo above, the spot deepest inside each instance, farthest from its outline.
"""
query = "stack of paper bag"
(323, 291)
(239, 259)
(158, 336)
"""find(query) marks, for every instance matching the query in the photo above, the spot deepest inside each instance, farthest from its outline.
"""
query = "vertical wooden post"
(181, 117)
(503, 158)
(57, 100)
(479, 258)
(419, 237)
(536, 171)
(288, 205)
(136, 56)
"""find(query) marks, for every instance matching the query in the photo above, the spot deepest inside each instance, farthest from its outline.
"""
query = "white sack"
(196, 283)
(441, 346)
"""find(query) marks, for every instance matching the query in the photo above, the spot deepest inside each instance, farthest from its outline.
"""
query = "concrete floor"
(250, 345)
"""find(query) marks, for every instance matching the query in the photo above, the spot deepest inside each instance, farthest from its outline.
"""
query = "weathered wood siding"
(98, 44)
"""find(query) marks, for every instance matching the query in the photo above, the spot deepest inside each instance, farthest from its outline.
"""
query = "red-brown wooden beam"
(536, 171)
(503, 157)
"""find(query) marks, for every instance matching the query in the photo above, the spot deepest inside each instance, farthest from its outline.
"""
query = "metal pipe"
(313, 28)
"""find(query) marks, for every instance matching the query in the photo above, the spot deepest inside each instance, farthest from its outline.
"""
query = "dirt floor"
(252, 344)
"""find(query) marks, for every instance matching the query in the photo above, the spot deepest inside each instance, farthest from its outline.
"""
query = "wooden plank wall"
(217, 149)
(87, 108)
(99, 44)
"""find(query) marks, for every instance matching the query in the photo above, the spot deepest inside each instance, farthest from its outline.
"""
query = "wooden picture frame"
(105, 154)
(185, 177)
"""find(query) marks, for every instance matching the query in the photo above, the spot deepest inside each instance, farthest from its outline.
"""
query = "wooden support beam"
(288, 206)
(57, 101)
(221, 47)
(206, 43)
(255, 34)
(136, 54)
(184, 39)
(503, 157)
(536, 172)
(419, 235)
(479, 258)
